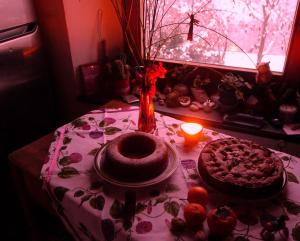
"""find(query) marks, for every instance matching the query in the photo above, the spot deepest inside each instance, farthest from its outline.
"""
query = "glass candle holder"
(191, 132)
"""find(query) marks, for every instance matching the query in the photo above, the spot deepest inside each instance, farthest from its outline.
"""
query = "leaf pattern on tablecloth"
(63, 148)
(292, 207)
(296, 232)
(75, 157)
(140, 207)
(78, 123)
(93, 195)
(59, 193)
(85, 198)
(116, 209)
(111, 130)
(64, 161)
(97, 202)
(172, 208)
(100, 215)
(78, 193)
(163, 197)
(292, 177)
(67, 140)
(94, 151)
(119, 212)
(68, 172)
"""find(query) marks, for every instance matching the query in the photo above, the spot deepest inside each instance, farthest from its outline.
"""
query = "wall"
(88, 22)
(71, 36)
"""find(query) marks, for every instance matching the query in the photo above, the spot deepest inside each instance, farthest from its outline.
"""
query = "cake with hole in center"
(136, 156)
(240, 166)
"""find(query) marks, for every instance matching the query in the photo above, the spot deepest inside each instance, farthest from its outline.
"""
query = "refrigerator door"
(25, 90)
(15, 13)
(20, 59)
(16, 32)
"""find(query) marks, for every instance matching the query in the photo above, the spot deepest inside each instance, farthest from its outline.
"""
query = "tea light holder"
(191, 132)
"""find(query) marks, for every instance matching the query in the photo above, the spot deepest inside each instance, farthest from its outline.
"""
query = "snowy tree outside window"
(227, 33)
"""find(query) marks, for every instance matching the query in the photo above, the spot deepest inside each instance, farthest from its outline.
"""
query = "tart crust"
(240, 166)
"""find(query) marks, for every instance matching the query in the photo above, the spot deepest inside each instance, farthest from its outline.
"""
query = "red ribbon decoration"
(190, 33)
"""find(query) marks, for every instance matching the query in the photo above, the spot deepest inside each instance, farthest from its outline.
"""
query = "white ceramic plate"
(170, 169)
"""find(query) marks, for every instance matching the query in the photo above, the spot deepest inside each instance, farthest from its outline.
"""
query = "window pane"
(235, 33)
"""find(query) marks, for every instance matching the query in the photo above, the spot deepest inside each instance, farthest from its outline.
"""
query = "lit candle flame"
(191, 128)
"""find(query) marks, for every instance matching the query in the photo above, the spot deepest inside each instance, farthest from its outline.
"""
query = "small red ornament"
(191, 28)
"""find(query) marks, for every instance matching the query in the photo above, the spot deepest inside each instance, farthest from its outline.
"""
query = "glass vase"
(146, 121)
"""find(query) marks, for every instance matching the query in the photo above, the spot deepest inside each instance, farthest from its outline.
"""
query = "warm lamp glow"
(191, 128)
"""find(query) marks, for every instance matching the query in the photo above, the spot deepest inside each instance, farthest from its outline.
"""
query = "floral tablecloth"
(91, 209)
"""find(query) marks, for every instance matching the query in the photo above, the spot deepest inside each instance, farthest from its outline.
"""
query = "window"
(227, 33)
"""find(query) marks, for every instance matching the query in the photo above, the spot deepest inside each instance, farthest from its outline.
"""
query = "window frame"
(291, 72)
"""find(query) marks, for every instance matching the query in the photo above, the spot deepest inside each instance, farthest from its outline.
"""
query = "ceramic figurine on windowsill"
(263, 100)
(118, 72)
(268, 93)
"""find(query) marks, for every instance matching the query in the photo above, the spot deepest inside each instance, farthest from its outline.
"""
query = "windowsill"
(215, 119)
(217, 67)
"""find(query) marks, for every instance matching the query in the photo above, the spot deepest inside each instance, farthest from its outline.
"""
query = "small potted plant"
(232, 89)
(118, 72)
(198, 89)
